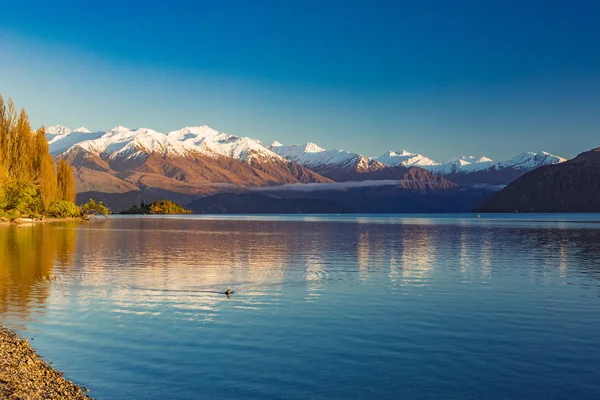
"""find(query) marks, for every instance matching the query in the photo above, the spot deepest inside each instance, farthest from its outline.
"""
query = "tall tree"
(29, 181)
(8, 117)
(21, 153)
(44, 168)
(66, 181)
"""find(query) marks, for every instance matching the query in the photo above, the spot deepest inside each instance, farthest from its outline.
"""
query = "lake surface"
(324, 307)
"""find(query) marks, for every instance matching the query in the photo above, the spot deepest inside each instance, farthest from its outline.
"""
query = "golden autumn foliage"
(31, 256)
(29, 181)
(66, 182)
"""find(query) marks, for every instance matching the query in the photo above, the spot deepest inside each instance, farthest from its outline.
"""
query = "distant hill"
(572, 186)
(250, 203)
(395, 199)
(408, 178)
(375, 199)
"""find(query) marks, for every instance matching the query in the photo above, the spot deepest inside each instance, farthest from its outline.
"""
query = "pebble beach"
(25, 375)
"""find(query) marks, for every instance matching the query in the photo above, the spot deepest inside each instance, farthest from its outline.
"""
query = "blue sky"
(442, 78)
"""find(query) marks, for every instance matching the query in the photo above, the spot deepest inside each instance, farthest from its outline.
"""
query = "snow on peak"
(469, 160)
(82, 130)
(530, 160)
(212, 143)
(312, 156)
(119, 129)
(193, 132)
(462, 164)
(124, 142)
(57, 130)
(312, 148)
(400, 153)
(473, 159)
(467, 164)
(405, 158)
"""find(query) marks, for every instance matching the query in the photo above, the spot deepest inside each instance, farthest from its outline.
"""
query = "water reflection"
(30, 256)
(141, 265)
(486, 255)
(134, 307)
(419, 250)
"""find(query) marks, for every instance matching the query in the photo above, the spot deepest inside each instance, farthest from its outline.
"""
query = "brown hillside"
(572, 186)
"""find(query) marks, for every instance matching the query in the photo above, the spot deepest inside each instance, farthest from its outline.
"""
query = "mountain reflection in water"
(189, 256)
(323, 306)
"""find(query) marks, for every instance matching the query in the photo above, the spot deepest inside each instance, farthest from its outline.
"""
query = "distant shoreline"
(24, 374)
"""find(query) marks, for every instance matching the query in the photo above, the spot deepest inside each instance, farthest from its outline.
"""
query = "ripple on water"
(359, 307)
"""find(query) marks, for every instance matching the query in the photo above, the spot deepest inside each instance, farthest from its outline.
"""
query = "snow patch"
(57, 130)
(405, 158)
(82, 130)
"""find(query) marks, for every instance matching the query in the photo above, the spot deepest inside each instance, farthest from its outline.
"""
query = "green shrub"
(64, 209)
(93, 208)
(11, 215)
(21, 199)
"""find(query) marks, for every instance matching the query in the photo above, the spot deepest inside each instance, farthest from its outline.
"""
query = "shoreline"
(30, 221)
(25, 375)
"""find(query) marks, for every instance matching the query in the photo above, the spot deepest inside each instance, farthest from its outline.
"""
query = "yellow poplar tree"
(45, 171)
(21, 153)
(8, 118)
(66, 181)
(29, 180)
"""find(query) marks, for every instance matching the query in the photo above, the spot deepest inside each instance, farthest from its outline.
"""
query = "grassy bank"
(24, 375)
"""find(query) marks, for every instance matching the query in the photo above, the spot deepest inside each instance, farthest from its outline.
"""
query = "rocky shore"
(24, 375)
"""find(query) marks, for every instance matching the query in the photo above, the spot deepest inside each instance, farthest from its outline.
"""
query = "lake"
(324, 307)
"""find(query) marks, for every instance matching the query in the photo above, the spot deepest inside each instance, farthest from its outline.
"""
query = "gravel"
(24, 375)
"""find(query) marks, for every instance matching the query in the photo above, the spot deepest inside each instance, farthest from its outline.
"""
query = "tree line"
(31, 184)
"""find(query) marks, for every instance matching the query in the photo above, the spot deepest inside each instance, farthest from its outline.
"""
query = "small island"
(157, 207)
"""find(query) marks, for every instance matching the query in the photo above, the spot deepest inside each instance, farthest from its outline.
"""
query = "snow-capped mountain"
(463, 169)
(318, 159)
(186, 161)
(82, 129)
(462, 164)
(343, 166)
(468, 164)
(60, 138)
(530, 160)
(57, 130)
(212, 142)
(200, 155)
(124, 143)
(63, 130)
(482, 170)
(406, 159)
(572, 186)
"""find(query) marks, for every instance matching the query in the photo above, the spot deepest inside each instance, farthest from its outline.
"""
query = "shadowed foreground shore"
(24, 375)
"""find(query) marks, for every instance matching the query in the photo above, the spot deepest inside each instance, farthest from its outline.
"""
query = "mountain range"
(461, 170)
(196, 161)
(572, 186)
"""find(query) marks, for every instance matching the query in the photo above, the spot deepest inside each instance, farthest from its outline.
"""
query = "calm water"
(385, 307)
